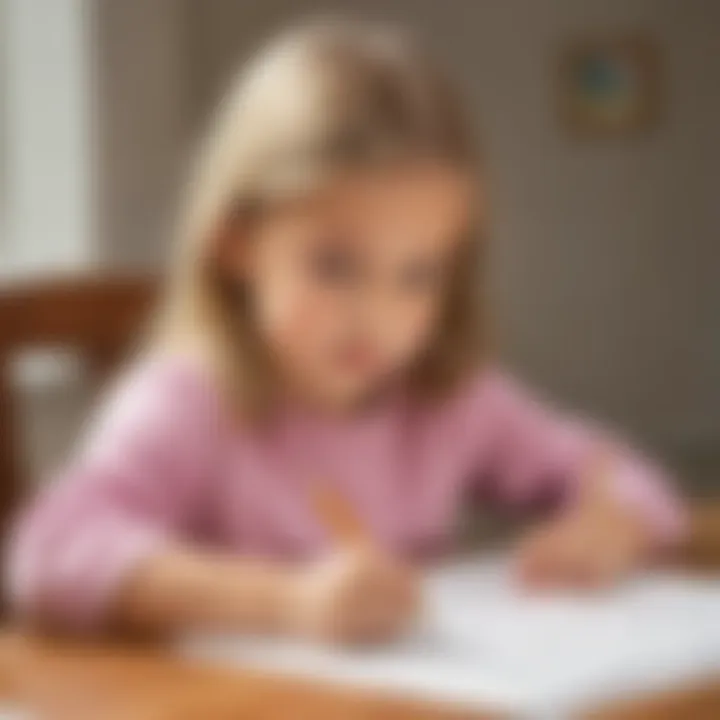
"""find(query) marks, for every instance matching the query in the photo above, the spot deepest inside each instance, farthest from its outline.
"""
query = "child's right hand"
(355, 596)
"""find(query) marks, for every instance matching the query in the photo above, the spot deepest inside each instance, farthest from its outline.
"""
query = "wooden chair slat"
(97, 315)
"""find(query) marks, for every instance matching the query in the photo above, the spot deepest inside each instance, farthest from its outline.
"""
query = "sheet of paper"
(481, 642)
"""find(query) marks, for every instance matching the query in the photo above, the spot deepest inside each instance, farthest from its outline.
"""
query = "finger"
(377, 623)
(527, 558)
(616, 564)
(592, 570)
(609, 563)
(537, 563)
(566, 562)
(407, 591)
(582, 574)
(557, 572)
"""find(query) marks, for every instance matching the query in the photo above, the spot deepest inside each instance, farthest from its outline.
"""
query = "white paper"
(483, 643)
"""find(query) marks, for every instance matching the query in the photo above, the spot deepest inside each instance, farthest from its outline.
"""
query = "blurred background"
(599, 121)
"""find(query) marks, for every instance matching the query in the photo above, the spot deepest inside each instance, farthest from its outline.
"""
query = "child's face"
(347, 287)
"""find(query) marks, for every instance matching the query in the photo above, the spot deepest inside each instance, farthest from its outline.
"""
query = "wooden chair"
(96, 315)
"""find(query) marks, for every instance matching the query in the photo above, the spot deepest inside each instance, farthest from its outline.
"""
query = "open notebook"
(481, 643)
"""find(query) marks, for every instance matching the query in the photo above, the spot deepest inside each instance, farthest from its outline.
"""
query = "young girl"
(322, 333)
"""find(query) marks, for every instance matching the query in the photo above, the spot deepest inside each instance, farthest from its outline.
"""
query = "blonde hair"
(321, 100)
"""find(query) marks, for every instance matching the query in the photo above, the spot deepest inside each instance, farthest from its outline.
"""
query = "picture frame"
(610, 86)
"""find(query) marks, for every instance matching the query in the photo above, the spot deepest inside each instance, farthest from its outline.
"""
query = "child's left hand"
(582, 552)
(593, 545)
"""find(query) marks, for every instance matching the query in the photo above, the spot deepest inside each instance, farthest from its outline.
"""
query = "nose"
(383, 315)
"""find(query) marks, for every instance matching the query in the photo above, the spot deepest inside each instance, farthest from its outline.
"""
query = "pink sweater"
(164, 465)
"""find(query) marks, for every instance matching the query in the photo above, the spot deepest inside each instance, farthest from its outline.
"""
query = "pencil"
(338, 516)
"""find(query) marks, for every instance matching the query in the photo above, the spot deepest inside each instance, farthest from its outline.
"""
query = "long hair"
(323, 99)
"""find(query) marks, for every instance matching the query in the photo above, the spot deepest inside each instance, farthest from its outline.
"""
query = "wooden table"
(66, 680)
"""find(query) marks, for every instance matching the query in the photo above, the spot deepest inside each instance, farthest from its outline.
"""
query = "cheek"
(412, 326)
(295, 316)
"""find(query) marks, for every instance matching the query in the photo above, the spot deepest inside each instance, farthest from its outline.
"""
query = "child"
(322, 332)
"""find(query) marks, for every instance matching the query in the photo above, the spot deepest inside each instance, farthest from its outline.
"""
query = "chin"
(350, 397)
(358, 392)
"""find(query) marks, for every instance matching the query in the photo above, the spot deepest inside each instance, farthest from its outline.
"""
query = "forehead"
(421, 203)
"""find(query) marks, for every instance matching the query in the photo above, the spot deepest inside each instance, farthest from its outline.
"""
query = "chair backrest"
(97, 316)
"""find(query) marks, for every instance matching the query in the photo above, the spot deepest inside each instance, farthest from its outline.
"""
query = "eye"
(335, 265)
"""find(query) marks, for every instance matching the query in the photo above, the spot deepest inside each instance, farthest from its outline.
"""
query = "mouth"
(357, 358)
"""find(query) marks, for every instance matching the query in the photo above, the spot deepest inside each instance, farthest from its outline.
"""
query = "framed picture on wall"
(610, 86)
